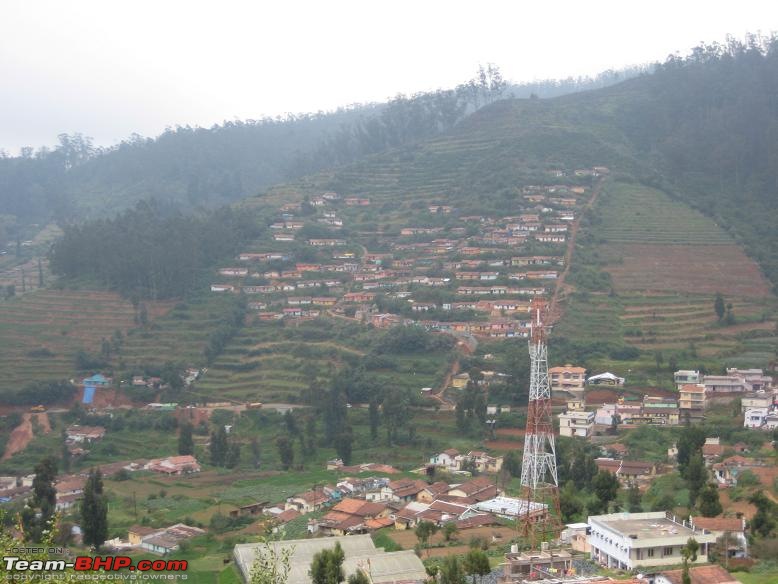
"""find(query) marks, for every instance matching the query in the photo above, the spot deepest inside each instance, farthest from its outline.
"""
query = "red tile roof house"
(174, 465)
(349, 516)
(626, 469)
(714, 574)
(431, 492)
(77, 434)
(308, 501)
(479, 488)
(730, 528)
(401, 490)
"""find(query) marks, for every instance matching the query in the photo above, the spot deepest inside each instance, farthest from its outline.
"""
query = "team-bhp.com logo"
(89, 564)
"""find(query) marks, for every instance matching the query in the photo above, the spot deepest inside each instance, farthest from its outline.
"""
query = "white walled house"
(755, 417)
(627, 541)
(576, 423)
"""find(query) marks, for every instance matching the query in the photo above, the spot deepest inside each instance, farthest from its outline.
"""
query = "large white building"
(576, 423)
(626, 541)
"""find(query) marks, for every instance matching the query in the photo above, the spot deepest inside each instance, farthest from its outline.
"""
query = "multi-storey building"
(626, 541)
(576, 423)
(691, 402)
(567, 378)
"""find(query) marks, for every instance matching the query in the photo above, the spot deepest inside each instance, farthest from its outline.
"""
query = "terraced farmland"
(41, 332)
(179, 336)
(266, 362)
(674, 321)
(667, 262)
(632, 213)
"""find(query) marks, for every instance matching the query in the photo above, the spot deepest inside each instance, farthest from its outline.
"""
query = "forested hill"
(211, 166)
(707, 126)
(703, 128)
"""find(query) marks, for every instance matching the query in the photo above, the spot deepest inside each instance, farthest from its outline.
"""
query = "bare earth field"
(694, 269)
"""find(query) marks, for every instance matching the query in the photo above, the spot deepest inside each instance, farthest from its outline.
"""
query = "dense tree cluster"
(41, 393)
(148, 252)
(709, 121)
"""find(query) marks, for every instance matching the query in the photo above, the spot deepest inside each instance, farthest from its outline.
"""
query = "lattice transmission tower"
(540, 519)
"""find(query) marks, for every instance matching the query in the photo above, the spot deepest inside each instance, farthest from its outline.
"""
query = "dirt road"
(554, 311)
(23, 434)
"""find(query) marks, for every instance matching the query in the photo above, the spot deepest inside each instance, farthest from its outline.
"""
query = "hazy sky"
(108, 68)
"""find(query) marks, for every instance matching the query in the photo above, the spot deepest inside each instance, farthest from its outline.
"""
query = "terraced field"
(667, 262)
(269, 363)
(674, 321)
(632, 213)
(179, 336)
(41, 332)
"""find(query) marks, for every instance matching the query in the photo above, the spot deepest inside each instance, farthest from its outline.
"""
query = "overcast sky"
(108, 68)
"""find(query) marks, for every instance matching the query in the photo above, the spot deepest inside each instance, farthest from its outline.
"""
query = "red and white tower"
(539, 480)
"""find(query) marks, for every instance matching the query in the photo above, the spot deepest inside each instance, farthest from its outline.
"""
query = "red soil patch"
(19, 439)
(43, 421)
(23, 434)
(107, 398)
(732, 507)
(699, 269)
(602, 396)
(511, 432)
(503, 445)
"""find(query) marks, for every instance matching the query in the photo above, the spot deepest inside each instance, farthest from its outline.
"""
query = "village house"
(713, 574)
(308, 501)
(385, 320)
(326, 242)
(356, 201)
(731, 531)
(478, 488)
(460, 380)
(712, 449)
(575, 535)
(359, 297)
(250, 510)
(283, 236)
(761, 418)
(97, 380)
(727, 471)
(166, 541)
(520, 567)
(84, 434)
(448, 459)
(237, 272)
(567, 378)
(626, 470)
(685, 376)
(481, 461)
(757, 399)
(222, 288)
(576, 423)
(401, 490)
(541, 275)
(432, 492)
(737, 381)
(174, 465)
(351, 516)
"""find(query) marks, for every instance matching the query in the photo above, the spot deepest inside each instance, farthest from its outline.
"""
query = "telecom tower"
(539, 481)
